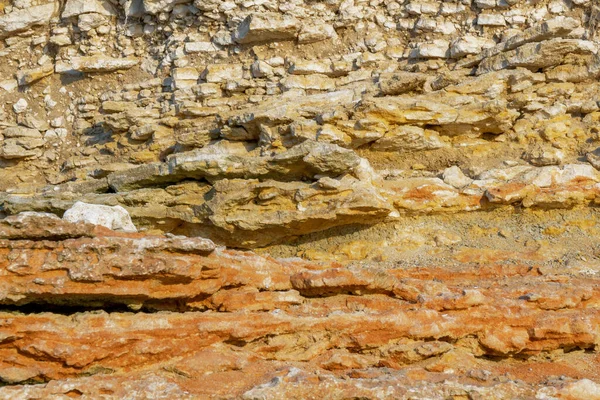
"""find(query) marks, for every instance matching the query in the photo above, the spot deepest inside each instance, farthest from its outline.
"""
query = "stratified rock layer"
(415, 182)
(281, 327)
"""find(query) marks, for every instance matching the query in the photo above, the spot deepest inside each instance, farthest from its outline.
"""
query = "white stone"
(581, 171)
(485, 3)
(454, 176)
(61, 132)
(87, 22)
(491, 20)
(9, 85)
(20, 106)
(266, 27)
(155, 6)
(468, 45)
(436, 49)
(308, 67)
(539, 14)
(57, 122)
(451, 8)
(583, 389)
(187, 73)
(25, 215)
(78, 7)
(557, 7)
(315, 33)
(20, 20)
(446, 28)
(218, 73)
(115, 218)
(426, 24)
(261, 69)
(200, 47)
(49, 102)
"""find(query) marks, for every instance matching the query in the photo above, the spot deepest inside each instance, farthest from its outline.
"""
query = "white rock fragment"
(23, 19)
(115, 218)
(25, 215)
(436, 49)
(200, 47)
(583, 389)
(78, 7)
(469, 45)
(219, 73)
(20, 106)
(9, 85)
(491, 20)
(268, 27)
(454, 176)
(315, 33)
(152, 6)
(485, 3)
(49, 102)
(57, 122)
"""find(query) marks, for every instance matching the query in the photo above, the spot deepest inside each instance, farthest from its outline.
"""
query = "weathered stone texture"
(299, 199)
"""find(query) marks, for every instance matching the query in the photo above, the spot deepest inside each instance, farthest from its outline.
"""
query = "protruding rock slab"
(95, 64)
(258, 213)
(268, 27)
(87, 264)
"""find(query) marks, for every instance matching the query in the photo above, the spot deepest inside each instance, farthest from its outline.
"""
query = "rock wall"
(418, 182)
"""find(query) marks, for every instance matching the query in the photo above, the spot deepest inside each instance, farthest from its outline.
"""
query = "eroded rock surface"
(299, 199)
(275, 323)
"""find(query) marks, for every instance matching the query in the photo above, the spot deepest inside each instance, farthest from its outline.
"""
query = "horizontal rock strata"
(226, 311)
(299, 199)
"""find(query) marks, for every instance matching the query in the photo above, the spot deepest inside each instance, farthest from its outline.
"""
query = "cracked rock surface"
(299, 199)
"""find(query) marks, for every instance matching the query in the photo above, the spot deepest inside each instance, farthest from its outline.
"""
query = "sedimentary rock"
(22, 19)
(307, 199)
(95, 64)
(266, 313)
(269, 27)
(115, 218)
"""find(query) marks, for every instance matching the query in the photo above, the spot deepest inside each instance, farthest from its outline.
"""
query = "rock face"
(306, 199)
(264, 320)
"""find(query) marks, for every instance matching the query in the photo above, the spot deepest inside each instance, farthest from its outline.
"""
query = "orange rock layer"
(87, 311)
